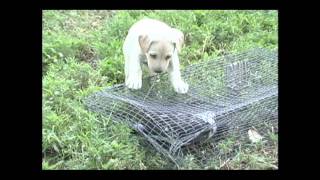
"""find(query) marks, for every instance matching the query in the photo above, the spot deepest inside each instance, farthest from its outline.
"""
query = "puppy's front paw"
(134, 83)
(181, 87)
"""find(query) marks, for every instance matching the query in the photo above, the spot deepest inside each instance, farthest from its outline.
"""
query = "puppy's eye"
(154, 56)
(168, 57)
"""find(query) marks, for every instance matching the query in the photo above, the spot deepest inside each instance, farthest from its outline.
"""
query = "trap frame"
(227, 97)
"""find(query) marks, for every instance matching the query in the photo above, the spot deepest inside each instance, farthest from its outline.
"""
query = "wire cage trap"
(227, 97)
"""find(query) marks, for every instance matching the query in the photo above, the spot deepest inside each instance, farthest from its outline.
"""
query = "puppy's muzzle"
(158, 71)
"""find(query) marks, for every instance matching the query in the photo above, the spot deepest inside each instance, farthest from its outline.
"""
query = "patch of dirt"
(87, 54)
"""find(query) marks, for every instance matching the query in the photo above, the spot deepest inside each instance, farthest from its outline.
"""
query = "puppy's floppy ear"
(144, 42)
(178, 38)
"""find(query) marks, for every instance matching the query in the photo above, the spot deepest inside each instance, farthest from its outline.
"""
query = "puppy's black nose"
(158, 71)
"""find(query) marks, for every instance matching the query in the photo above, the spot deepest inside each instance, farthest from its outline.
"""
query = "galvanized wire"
(227, 96)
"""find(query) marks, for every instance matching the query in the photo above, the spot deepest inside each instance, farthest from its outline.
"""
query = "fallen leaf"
(254, 136)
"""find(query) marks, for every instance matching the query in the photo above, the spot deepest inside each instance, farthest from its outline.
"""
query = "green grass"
(82, 53)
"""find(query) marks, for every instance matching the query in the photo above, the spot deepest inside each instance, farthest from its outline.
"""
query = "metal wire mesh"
(227, 96)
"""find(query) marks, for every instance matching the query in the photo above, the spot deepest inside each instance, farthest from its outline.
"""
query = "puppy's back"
(155, 30)
(150, 27)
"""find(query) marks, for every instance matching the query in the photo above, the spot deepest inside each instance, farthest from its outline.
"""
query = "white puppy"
(156, 44)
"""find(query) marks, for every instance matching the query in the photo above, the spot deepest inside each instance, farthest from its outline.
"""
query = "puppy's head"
(159, 52)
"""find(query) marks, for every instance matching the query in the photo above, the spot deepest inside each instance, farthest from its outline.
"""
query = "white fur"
(155, 30)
